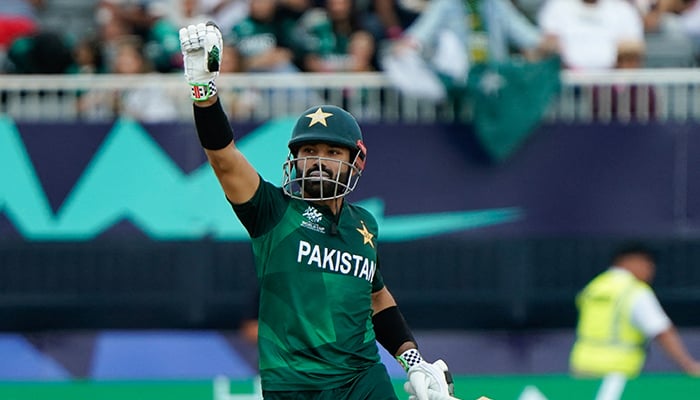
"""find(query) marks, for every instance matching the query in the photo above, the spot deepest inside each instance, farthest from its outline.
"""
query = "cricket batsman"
(323, 303)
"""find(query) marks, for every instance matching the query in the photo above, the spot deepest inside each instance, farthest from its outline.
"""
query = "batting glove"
(201, 47)
(430, 382)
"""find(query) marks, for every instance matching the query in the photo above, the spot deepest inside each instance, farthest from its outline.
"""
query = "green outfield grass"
(511, 387)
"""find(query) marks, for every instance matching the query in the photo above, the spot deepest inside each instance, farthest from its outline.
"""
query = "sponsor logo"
(199, 91)
(313, 217)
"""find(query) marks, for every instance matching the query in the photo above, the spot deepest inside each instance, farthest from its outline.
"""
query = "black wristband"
(391, 329)
(213, 127)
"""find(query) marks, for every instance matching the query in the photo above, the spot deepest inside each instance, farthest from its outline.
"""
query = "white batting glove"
(432, 395)
(430, 382)
(201, 47)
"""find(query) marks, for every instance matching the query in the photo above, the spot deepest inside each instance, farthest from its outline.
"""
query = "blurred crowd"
(423, 45)
(345, 35)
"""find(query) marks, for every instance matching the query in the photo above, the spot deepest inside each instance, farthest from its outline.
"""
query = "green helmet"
(327, 124)
(304, 177)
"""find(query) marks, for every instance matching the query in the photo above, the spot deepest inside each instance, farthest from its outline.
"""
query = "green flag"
(509, 100)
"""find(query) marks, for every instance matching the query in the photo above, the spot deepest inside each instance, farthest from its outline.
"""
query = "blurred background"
(512, 146)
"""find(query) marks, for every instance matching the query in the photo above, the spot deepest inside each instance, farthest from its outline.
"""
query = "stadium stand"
(72, 17)
(674, 93)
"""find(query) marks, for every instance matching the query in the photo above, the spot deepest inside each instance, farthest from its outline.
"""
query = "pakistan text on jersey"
(335, 260)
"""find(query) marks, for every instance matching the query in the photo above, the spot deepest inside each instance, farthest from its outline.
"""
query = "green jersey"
(252, 37)
(316, 273)
(315, 35)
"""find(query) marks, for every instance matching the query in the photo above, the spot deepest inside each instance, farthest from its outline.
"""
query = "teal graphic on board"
(131, 178)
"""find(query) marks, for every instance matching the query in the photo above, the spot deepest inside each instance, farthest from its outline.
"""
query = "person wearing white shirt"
(591, 32)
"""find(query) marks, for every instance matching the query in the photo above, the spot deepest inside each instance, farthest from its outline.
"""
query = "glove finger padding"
(201, 47)
(432, 395)
(408, 388)
(429, 381)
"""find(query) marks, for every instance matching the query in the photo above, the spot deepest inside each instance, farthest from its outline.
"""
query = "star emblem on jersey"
(367, 236)
(318, 117)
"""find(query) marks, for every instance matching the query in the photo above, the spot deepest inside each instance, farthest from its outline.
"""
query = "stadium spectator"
(262, 40)
(40, 53)
(622, 101)
(530, 8)
(667, 44)
(186, 12)
(263, 43)
(18, 18)
(110, 32)
(136, 103)
(148, 20)
(137, 15)
(438, 48)
(88, 56)
(657, 15)
(397, 15)
(633, 93)
(592, 32)
(298, 7)
(240, 104)
(226, 13)
(689, 15)
(618, 314)
(332, 39)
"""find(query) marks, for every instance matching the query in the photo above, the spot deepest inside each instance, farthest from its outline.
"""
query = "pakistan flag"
(509, 100)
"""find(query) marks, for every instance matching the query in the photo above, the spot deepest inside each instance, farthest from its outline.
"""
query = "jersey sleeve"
(263, 211)
(648, 315)
(378, 280)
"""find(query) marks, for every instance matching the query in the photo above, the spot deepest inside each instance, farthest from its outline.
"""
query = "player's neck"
(333, 204)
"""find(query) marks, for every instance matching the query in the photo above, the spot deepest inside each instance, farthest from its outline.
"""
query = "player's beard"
(326, 185)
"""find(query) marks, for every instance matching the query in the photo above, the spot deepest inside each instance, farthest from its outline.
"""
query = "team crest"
(367, 236)
(318, 117)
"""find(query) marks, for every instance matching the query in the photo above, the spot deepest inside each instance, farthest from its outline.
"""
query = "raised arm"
(201, 46)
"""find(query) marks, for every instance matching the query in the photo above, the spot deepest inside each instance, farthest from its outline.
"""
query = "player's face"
(324, 168)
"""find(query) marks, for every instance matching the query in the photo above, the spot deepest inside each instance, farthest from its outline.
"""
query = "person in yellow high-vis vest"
(618, 315)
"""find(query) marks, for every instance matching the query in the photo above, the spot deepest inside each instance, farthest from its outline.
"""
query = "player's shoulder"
(362, 213)
(269, 190)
